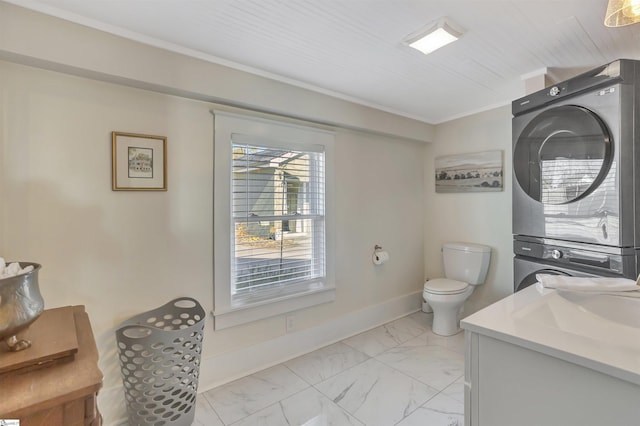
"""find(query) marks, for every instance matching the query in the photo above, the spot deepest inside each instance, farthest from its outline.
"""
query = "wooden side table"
(64, 394)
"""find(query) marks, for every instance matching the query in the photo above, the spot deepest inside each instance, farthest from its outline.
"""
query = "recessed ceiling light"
(434, 37)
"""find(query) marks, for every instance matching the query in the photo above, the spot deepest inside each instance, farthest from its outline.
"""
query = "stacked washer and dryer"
(576, 166)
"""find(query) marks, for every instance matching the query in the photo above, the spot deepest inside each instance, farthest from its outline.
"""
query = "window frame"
(269, 132)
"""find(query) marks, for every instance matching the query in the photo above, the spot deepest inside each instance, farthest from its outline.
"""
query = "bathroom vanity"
(542, 357)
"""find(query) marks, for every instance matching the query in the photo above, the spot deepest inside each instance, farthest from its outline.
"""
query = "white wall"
(479, 217)
(121, 253)
(117, 253)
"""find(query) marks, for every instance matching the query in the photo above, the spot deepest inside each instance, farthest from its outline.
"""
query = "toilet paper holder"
(379, 255)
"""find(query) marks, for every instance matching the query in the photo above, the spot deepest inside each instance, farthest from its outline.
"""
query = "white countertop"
(595, 331)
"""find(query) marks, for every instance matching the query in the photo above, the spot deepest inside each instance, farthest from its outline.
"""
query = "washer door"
(562, 155)
(531, 278)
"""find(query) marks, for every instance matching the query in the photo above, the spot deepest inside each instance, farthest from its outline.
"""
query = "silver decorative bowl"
(20, 304)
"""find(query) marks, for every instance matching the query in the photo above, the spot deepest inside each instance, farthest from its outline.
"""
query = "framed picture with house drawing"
(139, 162)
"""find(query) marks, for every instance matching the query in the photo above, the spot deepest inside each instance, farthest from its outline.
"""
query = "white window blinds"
(278, 219)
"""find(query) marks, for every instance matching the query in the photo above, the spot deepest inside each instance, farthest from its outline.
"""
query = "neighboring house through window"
(270, 218)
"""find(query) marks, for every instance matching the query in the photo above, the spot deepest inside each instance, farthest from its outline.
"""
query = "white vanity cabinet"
(525, 373)
(508, 385)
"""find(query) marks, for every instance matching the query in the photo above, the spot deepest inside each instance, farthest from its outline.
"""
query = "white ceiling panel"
(355, 49)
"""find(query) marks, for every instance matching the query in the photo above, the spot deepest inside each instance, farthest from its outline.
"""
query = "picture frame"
(139, 162)
(472, 172)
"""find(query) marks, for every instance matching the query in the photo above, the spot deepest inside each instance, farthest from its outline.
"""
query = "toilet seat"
(445, 286)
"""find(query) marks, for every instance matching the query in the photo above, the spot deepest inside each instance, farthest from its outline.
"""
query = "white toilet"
(465, 266)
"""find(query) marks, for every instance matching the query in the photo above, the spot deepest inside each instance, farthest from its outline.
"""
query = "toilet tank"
(466, 262)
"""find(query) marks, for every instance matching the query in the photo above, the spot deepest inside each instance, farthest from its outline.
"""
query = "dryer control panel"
(618, 71)
(587, 257)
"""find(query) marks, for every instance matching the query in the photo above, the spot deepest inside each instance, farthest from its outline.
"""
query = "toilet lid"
(445, 286)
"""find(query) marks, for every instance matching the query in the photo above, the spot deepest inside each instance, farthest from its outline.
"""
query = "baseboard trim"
(224, 368)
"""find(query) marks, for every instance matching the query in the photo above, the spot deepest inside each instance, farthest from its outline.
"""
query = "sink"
(622, 310)
(604, 318)
(596, 331)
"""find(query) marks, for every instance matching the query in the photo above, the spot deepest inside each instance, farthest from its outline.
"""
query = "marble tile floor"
(400, 374)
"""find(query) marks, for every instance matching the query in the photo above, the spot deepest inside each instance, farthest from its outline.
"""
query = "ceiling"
(354, 49)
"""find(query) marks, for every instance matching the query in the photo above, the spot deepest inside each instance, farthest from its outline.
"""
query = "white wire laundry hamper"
(159, 353)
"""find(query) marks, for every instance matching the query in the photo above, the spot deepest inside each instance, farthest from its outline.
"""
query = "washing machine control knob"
(554, 91)
(556, 254)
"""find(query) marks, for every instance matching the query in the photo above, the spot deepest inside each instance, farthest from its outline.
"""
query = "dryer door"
(525, 270)
(531, 279)
(562, 155)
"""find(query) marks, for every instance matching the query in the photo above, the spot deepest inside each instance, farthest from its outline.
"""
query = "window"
(271, 196)
(278, 220)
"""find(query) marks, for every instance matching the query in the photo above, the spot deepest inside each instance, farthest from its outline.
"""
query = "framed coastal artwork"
(139, 162)
(473, 172)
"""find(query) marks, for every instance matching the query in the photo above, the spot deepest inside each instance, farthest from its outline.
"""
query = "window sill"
(257, 311)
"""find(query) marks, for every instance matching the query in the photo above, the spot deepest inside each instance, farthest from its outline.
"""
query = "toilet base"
(446, 323)
(447, 310)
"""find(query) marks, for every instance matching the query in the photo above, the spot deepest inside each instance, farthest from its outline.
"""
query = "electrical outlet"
(289, 323)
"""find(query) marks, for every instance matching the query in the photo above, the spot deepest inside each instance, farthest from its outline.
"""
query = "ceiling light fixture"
(435, 36)
(622, 12)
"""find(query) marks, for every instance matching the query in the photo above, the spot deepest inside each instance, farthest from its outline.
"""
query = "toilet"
(465, 266)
